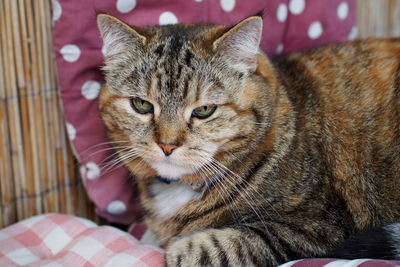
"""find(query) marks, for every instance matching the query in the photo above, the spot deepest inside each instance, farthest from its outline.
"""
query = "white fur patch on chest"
(170, 197)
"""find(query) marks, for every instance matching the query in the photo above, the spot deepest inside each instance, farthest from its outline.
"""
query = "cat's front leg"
(239, 246)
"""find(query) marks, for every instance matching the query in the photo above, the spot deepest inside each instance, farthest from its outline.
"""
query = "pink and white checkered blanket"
(55, 240)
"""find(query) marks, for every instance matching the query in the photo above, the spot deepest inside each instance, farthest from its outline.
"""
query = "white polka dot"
(167, 17)
(198, 1)
(353, 33)
(279, 48)
(70, 52)
(116, 207)
(90, 170)
(315, 30)
(342, 10)
(71, 131)
(125, 6)
(282, 13)
(297, 6)
(57, 10)
(228, 5)
(91, 89)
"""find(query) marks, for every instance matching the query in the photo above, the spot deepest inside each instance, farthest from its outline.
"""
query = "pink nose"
(167, 149)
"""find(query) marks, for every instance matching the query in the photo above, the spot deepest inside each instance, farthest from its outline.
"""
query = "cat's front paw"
(213, 247)
(198, 249)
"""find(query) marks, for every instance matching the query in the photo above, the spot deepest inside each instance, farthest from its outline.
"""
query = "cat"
(245, 161)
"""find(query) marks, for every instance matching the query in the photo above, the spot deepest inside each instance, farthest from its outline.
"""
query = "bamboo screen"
(378, 18)
(37, 171)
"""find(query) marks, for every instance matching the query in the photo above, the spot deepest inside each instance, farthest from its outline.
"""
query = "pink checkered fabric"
(341, 263)
(54, 240)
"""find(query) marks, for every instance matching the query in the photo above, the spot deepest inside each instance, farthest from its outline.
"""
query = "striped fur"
(301, 153)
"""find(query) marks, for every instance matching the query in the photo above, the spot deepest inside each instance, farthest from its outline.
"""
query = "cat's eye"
(141, 106)
(204, 112)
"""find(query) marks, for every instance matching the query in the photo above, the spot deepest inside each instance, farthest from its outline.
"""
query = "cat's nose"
(167, 149)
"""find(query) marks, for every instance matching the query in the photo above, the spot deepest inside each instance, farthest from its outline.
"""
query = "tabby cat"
(244, 161)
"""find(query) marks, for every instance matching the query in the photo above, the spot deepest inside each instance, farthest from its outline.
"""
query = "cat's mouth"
(171, 170)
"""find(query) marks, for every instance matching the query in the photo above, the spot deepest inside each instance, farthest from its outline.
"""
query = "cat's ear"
(117, 36)
(240, 45)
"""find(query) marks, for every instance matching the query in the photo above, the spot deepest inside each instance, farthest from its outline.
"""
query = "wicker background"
(37, 171)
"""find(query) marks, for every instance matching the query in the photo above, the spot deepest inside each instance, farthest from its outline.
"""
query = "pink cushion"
(62, 240)
(288, 26)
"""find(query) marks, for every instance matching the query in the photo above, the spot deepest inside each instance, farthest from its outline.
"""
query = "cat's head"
(184, 99)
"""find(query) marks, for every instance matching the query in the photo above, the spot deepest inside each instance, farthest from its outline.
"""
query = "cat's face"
(183, 99)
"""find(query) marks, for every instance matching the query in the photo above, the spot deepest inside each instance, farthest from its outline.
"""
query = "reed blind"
(38, 173)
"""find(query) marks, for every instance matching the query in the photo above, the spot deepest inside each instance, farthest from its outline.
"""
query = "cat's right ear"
(118, 36)
(239, 46)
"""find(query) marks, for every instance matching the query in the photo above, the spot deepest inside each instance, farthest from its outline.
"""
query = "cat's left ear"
(118, 37)
(239, 46)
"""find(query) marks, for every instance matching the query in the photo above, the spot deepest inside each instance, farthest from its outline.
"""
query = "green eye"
(204, 111)
(141, 106)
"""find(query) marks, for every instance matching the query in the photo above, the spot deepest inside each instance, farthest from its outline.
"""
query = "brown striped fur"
(307, 145)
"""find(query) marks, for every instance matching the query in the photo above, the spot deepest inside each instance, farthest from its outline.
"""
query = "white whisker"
(120, 161)
(104, 150)
(102, 144)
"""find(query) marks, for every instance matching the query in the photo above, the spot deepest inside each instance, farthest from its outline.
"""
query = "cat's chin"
(170, 170)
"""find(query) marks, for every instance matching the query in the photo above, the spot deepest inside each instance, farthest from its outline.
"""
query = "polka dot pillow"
(288, 26)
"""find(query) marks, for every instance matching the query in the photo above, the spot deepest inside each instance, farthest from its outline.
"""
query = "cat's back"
(347, 97)
(361, 71)
(356, 85)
